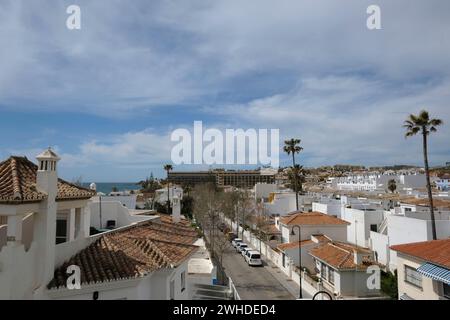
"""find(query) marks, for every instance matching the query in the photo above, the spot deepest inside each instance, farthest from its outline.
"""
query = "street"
(253, 283)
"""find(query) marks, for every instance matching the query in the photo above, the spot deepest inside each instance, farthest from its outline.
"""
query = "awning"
(435, 272)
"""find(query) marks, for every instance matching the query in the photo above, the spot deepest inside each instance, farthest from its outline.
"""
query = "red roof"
(132, 252)
(18, 184)
(435, 251)
(311, 218)
(342, 255)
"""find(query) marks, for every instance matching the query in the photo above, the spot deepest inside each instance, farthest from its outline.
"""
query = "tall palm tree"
(424, 125)
(168, 168)
(292, 146)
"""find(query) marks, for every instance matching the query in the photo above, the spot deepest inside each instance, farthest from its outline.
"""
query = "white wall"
(379, 243)
(263, 190)
(334, 232)
(112, 210)
(128, 201)
(358, 231)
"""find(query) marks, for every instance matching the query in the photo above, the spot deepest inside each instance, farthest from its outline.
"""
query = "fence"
(233, 290)
(270, 254)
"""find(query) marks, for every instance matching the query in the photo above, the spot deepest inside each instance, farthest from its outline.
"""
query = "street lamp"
(300, 296)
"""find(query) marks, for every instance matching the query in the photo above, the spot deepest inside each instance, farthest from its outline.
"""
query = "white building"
(424, 270)
(310, 223)
(263, 191)
(284, 202)
(44, 233)
(407, 223)
(342, 268)
(378, 182)
(174, 191)
(443, 182)
(127, 200)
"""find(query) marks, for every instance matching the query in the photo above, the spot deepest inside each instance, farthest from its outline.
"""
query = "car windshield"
(255, 256)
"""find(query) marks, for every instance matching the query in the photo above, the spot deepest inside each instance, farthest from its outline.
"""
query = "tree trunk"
(427, 173)
(295, 181)
(168, 194)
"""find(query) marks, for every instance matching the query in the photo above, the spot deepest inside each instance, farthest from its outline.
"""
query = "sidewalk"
(286, 282)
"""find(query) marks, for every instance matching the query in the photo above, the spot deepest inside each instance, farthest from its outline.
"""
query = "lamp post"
(300, 295)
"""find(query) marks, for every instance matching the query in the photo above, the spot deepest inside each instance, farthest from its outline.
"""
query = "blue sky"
(107, 97)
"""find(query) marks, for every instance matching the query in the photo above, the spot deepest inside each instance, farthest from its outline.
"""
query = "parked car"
(241, 246)
(244, 252)
(253, 258)
(236, 241)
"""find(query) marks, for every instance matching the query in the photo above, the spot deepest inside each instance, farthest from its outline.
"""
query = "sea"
(107, 187)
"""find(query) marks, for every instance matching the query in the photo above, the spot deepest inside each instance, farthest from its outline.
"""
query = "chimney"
(45, 219)
(47, 177)
(176, 209)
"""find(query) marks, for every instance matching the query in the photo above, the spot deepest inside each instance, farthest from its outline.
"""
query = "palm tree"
(392, 185)
(292, 146)
(168, 168)
(424, 125)
(296, 175)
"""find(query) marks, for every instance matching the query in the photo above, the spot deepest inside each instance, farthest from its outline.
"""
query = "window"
(373, 227)
(61, 231)
(284, 260)
(323, 271)
(183, 281)
(446, 290)
(413, 277)
(330, 275)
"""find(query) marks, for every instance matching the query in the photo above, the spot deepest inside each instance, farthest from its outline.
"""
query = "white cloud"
(141, 149)
(351, 119)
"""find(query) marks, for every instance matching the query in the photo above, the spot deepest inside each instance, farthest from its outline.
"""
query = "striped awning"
(435, 272)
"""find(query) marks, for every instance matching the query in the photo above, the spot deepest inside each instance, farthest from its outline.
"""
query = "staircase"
(383, 227)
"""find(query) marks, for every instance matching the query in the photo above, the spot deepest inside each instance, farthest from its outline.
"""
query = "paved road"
(253, 283)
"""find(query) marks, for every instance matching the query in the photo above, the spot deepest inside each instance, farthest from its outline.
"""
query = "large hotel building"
(235, 178)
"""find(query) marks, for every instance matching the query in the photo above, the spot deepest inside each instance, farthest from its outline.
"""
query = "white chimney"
(45, 219)
(176, 209)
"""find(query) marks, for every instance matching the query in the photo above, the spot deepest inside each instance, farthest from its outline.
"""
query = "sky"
(107, 97)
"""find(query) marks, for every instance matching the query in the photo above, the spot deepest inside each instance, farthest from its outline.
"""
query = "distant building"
(378, 182)
(221, 178)
(443, 183)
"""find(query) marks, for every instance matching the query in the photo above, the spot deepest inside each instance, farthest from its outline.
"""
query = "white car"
(236, 241)
(244, 252)
(253, 258)
(241, 246)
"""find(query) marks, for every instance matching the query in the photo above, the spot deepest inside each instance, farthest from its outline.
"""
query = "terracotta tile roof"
(18, 184)
(321, 237)
(131, 253)
(316, 238)
(292, 245)
(270, 229)
(311, 218)
(435, 251)
(341, 255)
(168, 219)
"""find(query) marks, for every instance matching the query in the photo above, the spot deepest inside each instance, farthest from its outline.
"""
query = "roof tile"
(18, 184)
(435, 251)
